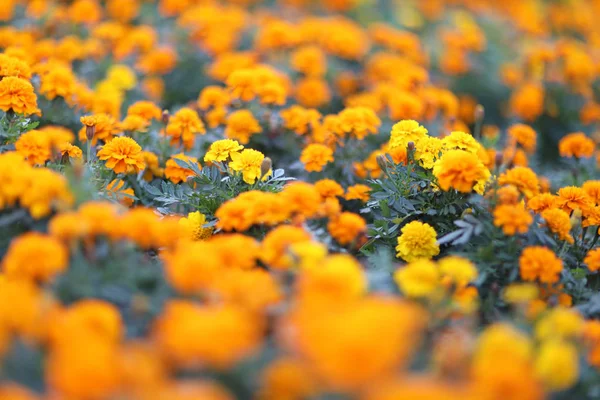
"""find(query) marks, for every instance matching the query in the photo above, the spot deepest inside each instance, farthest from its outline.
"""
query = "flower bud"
(479, 113)
(165, 117)
(90, 131)
(410, 146)
(266, 166)
(381, 161)
(498, 159)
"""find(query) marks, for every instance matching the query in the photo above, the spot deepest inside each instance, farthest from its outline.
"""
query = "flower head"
(17, 94)
(248, 162)
(512, 218)
(460, 170)
(122, 155)
(221, 150)
(538, 262)
(418, 240)
(315, 156)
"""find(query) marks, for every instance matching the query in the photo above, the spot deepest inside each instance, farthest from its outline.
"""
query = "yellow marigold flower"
(243, 84)
(67, 149)
(36, 257)
(560, 323)
(59, 81)
(576, 145)
(34, 146)
(406, 131)
(275, 246)
(427, 151)
(315, 156)
(135, 123)
(358, 192)
(592, 260)
(346, 227)
(116, 190)
(572, 198)
(194, 225)
(241, 125)
(523, 135)
(459, 170)
(557, 364)
(121, 76)
(358, 122)
(559, 223)
(418, 240)
(221, 150)
(309, 254)
(521, 293)
(338, 278)
(457, 270)
(458, 140)
(300, 120)
(145, 109)
(177, 174)
(184, 126)
(329, 188)
(47, 190)
(17, 94)
(248, 162)
(523, 178)
(418, 279)
(512, 218)
(152, 166)
(539, 262)
(542, 202)
(122, 155)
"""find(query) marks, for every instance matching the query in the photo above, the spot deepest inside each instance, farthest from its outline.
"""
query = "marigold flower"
(418, 240)
(329, 188)
(557, 364)
(286, 377)
(523, 178)
(174, 172)
(512, 218)
(135, 123)
(300, 120)
(427, 151)
(460, 170)
(560, 323)
(12, 66)
(559, 223)
(47, 190)
(67, 149)
(34, 146)
(248, 162)
(241, 126)
(105, 127)
(17, 94)
(572, 198)
(458, 140)
(358, 122)
(346, 227)
(576, 145)
(527, 101)
(358, 192)
(183, 126)
(59, 81)
(419, 279)
(221, 150)
(122, 155)
(116, 190)
(521, 293)
(542, 202)
(309, 60)
(592, 260)
(312, 92)
(275, 246)
(539, 262)
(457, 270)
(145, 109)
(243, 83)
(523, 135)
(315, 156)
(36, 257)
(194, 225)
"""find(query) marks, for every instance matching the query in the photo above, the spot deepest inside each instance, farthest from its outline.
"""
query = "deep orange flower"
(17, 94)
(122, 155)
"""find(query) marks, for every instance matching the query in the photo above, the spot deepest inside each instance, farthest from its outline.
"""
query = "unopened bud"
(381, 160)
(266, 166)
(498, 159)
(90, 131)
(165, 117)
(479, 112)
(410, 146)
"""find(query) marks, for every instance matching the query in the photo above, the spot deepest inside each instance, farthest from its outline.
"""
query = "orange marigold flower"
(47, 190)
(34, 146)
(329, 188)
(523, 178)
(358, 192)
(592, 260)
(122, 155)
(35, 256)
(508, 195)
(59, 81)
(312, 92)
(512, 218)
(309, 60)
(460, 170)
(300, 120)
(12, 66)
(346, 227)
(573, 198)
(527, 101)
(135, 123)
(315, 156)
(539, 262)
(559, 223)
(213, 97)
(241, 126)
(301, 198)
(275, 246)
(523, 135)
(243, 84)
(177, 174)
(592, 188)
(105, 127)
(145, 109)
(67, 149)
(542, 202)
(576, 145)
(17, 94)
(184, 126)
